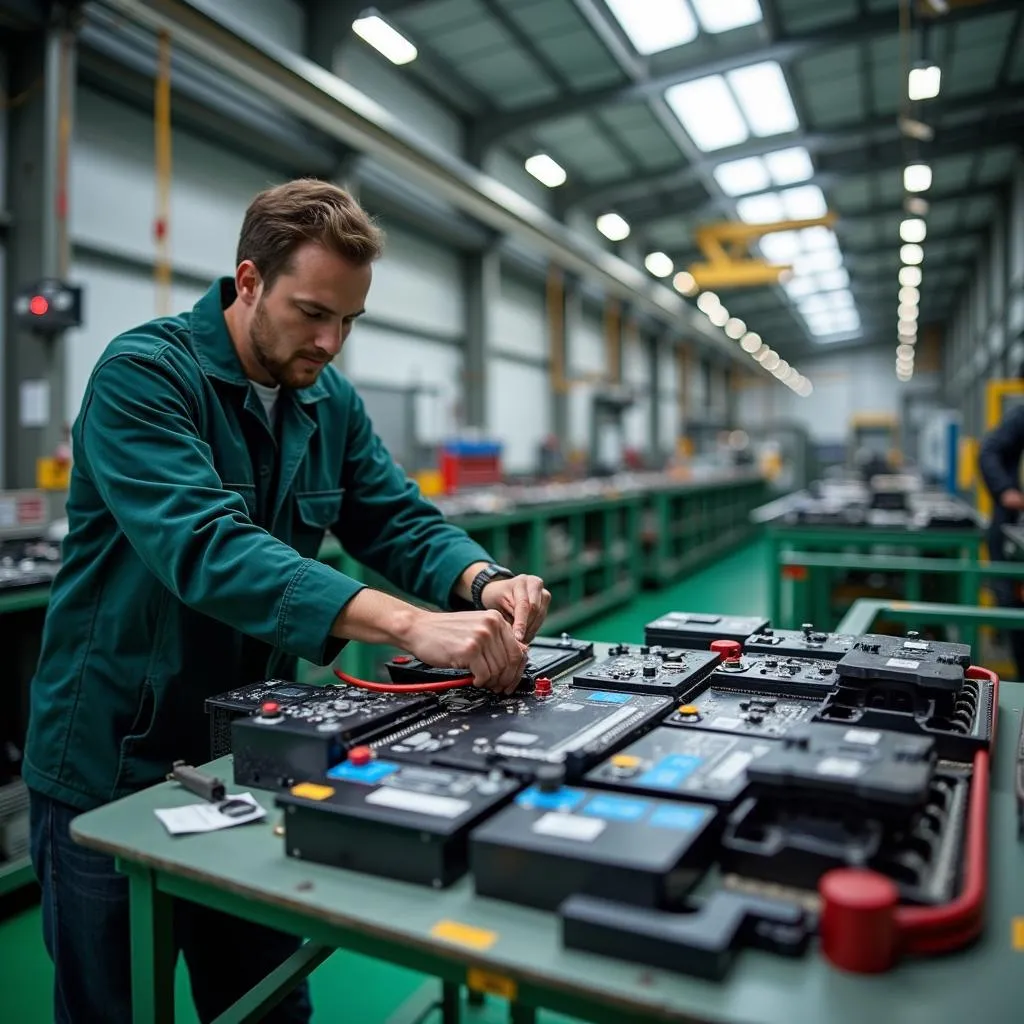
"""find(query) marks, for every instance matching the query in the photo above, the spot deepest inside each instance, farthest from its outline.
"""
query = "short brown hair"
(282, 218)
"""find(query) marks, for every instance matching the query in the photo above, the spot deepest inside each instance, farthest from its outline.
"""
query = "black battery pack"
(664, 670)
(748, 714)
(806, 642)
(773, 673)
(549, 845)
(697, 631)
(396, 821)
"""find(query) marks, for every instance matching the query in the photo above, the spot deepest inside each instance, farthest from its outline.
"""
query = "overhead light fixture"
(905, 352)
(750, 342)
(708, 112)
(906, 312)
(804, 202)
(659, 264)
(818, 237)
(923, 83)
(914, 129)
(781, 370)
(764, 98)
(763, 209)
(613, 227)
(917, 177)
(546, 170)
(708, 302)
(763, 353)
(385, 39)
(814, 262)
(798, 287)
(916, 206)
(685, 283)
(719, 316)
(788, 166)
(911, 254)
(913, 230)
(907, 329)
(652, 27)
(740, 177)
(910, 276)
(833, 279)
(910, 295)
(780, 246)
(715, 16)
(735, 328)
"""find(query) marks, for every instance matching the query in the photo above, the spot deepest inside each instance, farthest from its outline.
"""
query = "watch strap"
(487, 575)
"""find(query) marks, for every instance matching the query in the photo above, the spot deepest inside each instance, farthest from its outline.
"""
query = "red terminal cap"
(859, 931)
(730, 650)
(402, 659)
(542, 687)
(270, 707)
(360, 755)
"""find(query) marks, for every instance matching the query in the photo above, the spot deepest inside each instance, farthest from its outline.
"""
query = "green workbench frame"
(516, 952)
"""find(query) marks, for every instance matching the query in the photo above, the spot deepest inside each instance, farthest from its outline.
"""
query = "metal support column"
(42, 72)
(653, 363)
(482, 278)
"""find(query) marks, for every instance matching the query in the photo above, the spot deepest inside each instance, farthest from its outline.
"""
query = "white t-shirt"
(268, 396)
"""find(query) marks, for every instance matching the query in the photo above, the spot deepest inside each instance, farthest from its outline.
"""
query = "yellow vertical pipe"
(162, 128)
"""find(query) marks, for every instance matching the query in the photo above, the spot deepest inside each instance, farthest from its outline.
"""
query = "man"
(211, 453)
(999, 462)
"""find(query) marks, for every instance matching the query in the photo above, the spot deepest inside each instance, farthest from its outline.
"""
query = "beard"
(267, 343)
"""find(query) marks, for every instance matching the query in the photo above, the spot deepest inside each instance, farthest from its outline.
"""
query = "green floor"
(350, 988)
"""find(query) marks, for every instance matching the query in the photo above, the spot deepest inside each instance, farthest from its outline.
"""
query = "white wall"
(636, 372)
(668, 398)
(586, 357)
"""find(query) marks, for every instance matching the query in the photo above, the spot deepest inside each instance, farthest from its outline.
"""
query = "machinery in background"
(773, 767)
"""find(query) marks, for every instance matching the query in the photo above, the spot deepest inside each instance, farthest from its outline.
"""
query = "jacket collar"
(214, 348)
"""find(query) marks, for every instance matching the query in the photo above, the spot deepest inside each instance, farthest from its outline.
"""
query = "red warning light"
(38, 305)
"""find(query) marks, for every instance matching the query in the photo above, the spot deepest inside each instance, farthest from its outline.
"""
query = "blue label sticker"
(670, 772)
(564, 799)
(685, 817)
(616, 808)
(604, 697)
(368, 774)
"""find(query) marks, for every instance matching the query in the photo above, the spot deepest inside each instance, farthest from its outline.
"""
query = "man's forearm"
(372, 617)
(464, 588)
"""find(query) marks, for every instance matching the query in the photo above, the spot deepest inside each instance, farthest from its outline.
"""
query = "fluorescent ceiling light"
(655, 25)
(612, 226)
(770, 361)
(735, 328)
(911, 254)
(910, 276)
(738, 177)
(781, 370)
(716, 16)
(764, 209)
(708, 112)
(907, 329)
(384, 39)
(913, 230)
(917, 177)
(780, 246)
(719, 316)
(750, 342)
(545, 170)
(817, 238)
(787, 166)
(814, 262)
(764, 98)
(804, 202)
(905, 352)
(685, 282)
(832, 279)
(708, 302)
(659, 264)
(763, 353)
(924, 83)
(910, 295)
(907, 312)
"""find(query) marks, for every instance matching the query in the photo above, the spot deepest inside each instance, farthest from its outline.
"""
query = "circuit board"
(768, 716)
(806, 642)
(644, 669)
(698, 631)
(771, 673)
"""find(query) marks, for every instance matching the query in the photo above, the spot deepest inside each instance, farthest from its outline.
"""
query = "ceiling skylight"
(723, 15)
(740, 177)
(655, 25)
(780, 246)
(804, 202)
(764, 98)
(762, 209)
(788, 166)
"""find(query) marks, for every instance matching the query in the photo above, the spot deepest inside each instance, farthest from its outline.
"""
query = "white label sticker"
(519, 739)
(568, 705)
(731, 766)
(915, 645)
(420, 803)
(902, 663)
(867, 736)
(845, 767)
(728, 724)
(569, 826)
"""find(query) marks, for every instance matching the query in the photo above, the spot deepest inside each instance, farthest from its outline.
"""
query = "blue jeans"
(86, 931)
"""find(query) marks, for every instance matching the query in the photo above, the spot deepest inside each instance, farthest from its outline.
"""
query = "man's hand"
(481, 642)
(523, 602)
(1011, 499)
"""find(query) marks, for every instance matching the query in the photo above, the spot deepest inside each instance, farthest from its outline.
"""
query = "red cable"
(363, 684)
(939, 929)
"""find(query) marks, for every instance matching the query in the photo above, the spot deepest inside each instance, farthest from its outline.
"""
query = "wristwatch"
(487, 575)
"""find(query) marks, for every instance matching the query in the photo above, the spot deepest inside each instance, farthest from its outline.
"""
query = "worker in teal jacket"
(211, 453)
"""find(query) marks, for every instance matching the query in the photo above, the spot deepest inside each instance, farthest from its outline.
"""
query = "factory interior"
(696, 330)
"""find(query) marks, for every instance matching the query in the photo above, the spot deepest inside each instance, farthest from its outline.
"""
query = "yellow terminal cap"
(625, 761)
(689, 709)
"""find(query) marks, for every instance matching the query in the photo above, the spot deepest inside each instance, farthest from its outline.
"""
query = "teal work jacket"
(190, 564)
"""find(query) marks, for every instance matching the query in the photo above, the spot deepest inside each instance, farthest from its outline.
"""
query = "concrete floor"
(350, 988)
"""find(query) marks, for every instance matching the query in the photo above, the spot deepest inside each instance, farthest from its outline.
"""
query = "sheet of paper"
(34, 403)
(207, 817)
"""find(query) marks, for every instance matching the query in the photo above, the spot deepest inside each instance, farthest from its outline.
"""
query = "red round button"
(401, 659)
(858, 927)
(542, 687)
(730, 650)
(270, 707)
(360, 755)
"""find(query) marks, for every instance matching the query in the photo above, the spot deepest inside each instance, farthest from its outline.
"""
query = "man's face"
(300, 324)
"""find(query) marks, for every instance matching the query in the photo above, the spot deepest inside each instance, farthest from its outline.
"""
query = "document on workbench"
(210, 817)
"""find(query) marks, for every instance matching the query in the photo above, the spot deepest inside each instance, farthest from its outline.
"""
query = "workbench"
(516, 952)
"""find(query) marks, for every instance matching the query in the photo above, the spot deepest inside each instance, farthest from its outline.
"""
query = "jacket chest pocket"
(315, 513)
